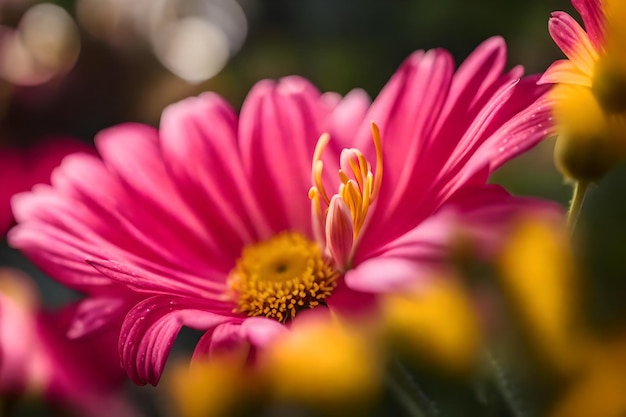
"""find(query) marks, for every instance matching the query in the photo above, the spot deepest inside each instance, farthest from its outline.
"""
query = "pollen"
(281, 276)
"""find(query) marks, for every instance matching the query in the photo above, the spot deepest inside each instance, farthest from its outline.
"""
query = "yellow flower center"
(280, 276)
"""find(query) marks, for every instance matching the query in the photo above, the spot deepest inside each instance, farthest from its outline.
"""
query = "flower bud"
(590, 142)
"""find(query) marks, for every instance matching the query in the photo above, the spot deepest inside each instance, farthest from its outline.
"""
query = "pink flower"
(20, 169)
(235, 224)
(36, 357)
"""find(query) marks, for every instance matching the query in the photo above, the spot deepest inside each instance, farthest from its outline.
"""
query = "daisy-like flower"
(234, 225)
(590, 96)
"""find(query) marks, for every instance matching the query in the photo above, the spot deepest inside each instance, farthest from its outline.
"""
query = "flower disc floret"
(280, 276)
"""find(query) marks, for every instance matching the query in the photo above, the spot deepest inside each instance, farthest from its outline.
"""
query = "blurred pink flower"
(212, 220)
(20, 169)
(36, 357)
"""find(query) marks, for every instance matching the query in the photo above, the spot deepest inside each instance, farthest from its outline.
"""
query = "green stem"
(501, 381)
(408, 393)
(580, 189)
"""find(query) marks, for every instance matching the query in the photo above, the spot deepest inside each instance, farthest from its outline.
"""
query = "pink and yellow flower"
(235, 224)
(590, 92)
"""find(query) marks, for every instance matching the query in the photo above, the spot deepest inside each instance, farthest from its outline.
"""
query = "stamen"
(318, 166)
(378, 144)
(358, 189)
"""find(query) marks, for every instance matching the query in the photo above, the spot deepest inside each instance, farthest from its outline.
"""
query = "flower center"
(280, 276)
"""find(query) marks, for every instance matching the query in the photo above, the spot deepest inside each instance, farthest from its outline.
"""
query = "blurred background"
(70, 68)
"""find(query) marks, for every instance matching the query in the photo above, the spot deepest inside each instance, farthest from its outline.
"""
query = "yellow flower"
(219, 386)
(322, 363)
(538, 275)
(538, 280)
(436, 325)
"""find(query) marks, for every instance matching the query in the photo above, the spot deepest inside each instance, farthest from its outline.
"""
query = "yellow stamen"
(359, 192)
(318, 166)
(278, 277)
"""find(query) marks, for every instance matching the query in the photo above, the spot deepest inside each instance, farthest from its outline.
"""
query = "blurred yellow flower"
(324, 363)
(437, 326)
(538, 280)
(218, 386)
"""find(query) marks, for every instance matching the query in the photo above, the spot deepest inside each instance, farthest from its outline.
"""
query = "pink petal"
(406, 111)
(388, 274)
(346, 118)
(518, 134)
(258, 331)
(564, 71)
(150, 329)
(93, 219)
(346, 302)
(64, 225)
(484, 214)
(457, 167)
(175, 282)
(487, 214)
(423, 82)
(515, 118)
(477, 75)
(573, 41)
(479, 101)
(199, 143)
(95, 313)
(339, 231)
(280, 124)
(479, 78)
(155, 201)
(65, 230)
(224, 337)
(594, 20)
